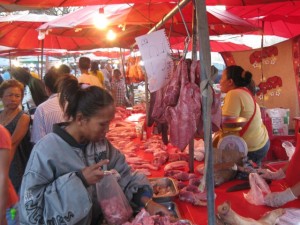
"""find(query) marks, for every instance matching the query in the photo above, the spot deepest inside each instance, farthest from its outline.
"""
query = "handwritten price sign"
(155, 51)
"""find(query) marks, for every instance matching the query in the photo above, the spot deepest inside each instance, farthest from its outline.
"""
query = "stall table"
(198, 214)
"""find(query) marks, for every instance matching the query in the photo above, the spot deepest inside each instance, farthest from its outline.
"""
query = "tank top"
(18, 164)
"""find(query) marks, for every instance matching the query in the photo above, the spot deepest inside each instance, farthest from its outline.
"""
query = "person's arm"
(4, 168)
(277, 199)
(20, 132)
(38, 126)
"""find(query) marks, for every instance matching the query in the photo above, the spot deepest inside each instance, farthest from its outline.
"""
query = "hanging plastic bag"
(112, 200)
(289, 148)
(259, 189)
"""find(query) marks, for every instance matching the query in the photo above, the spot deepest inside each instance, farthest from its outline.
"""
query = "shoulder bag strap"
(245, 128)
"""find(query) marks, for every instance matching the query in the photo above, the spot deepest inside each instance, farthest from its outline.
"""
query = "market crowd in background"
(29, 108)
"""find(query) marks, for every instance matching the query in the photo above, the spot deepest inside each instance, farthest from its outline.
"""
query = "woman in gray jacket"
(58, 186)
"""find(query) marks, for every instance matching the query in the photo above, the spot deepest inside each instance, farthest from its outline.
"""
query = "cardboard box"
(280, 120)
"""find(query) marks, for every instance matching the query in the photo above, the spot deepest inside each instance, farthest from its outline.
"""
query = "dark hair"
(21, 75)
(64, 69)
(94, 67)
(252, 87)
(11, 84)
(102, 65)
(50, 80)
(117, 71)
(240, 77)
(74, 98)
(84, 63)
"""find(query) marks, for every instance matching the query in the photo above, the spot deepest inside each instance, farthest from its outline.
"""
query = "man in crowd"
(49, 112)
(85, 77)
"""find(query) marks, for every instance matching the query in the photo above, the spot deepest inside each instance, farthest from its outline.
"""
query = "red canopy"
(11, 5)
(140, 18)
(20, 32)
(281, 19)
(31, 52)
(215, 46)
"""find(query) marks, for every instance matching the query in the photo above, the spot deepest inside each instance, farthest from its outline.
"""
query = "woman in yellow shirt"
(239, 102)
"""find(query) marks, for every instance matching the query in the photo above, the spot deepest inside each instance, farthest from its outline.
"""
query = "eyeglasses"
(12, 95)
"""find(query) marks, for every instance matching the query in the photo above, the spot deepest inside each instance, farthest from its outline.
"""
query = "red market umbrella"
(215, 46)
(13, 5)
(280, 19)
(20, 32)
(138, 19)
(111, 54)
(31, 52)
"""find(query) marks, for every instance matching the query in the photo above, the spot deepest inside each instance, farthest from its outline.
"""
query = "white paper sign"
(155, 51)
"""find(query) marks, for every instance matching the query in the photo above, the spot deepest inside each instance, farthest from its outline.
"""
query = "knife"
(243, 186)
(239, 187)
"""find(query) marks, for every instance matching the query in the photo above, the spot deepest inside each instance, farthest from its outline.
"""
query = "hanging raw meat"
(185, 116)
(159, 107)
(172, 90)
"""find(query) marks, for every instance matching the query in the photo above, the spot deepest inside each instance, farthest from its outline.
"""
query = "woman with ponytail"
(59, 185)
(240, 102)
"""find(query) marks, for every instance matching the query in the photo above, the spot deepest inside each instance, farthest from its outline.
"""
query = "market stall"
(146, 153)
(135, 146)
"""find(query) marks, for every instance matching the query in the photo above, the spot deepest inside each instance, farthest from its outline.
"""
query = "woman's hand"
(268, 174)
(277, 199)
(94, 173)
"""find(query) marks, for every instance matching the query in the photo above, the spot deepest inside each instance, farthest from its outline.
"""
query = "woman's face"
(12, 98)
(96, 127)
(225, 84)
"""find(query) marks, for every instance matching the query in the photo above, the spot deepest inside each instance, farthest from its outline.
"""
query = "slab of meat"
(160, 158)
(159, 107)
(178, 156)
(179, 165)
(229, 216)
(173, 87)
(185, 116)
(193, 195)
(145, 166)
(120, 214)
(144, 218)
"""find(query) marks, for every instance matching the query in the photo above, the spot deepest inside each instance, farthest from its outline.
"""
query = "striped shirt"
(46, 114)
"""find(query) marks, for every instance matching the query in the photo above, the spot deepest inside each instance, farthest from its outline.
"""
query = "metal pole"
(194, 57)
(41, 75)
(9, 60)
(205, 61)
(123, 70)
(167, 17)
(262, 49)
